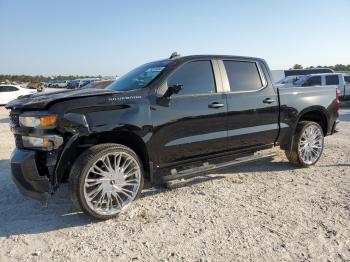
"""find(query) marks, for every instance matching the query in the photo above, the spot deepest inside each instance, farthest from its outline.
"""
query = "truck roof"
(325, 74)
(297, 72)
(190, 57)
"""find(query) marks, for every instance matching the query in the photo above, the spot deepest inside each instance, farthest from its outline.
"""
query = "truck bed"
(295, 100)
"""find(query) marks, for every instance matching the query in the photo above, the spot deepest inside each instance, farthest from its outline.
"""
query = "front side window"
(139, 77)
(347, 79)
(332, 80)
(243, 76)
(313, 81)
(195, 77)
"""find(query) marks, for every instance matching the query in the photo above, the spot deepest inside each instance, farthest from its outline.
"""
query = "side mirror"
(173, 89)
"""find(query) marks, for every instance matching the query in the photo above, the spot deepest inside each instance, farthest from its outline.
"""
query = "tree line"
(337, 67)
(38, 78)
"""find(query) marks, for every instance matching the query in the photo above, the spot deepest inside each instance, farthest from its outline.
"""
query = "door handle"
(268, 101)
(216, 105)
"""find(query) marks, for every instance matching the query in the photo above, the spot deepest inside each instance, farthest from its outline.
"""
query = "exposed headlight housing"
(44, 142)
(44, 121)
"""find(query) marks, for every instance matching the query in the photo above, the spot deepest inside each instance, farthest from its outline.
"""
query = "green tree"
(297, 66)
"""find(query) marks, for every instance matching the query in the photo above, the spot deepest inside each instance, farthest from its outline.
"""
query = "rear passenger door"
(252, 104)
(193, 122)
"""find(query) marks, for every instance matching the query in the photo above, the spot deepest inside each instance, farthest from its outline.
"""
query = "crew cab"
(169, 119)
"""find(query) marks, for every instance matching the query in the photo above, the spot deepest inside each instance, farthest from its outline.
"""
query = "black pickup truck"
(165, 120)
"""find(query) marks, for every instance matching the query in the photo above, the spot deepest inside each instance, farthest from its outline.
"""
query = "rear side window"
(195, 77)
(313, 81)
(332, 80)
(243, 76)
(347, 79)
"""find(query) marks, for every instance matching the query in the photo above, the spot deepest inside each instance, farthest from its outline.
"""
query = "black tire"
(80, 170)
(293, 155)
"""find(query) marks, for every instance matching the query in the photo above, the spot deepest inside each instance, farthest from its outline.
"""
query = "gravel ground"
(267, 211)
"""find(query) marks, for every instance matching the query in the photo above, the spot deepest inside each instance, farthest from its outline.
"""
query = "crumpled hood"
(41, 100)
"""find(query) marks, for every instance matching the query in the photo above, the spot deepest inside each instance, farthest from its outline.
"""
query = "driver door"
(193, 122)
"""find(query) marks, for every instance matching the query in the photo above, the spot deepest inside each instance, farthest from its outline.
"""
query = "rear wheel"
(105, 179)
(307, 145)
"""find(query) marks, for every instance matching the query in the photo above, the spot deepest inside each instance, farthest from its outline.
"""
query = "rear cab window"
(196, 77)
(243, 76)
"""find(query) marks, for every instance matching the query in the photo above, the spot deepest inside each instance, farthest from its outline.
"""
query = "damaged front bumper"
(335, 126)
(26, 176)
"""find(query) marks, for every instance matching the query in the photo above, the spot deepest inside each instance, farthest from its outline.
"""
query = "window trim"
(226, 82)
(217, 76)
(213, 68)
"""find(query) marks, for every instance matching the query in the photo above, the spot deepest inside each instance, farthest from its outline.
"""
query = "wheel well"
(125, 138)
(316, 116)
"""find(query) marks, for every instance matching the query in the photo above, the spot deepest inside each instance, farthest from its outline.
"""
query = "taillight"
(337, 92)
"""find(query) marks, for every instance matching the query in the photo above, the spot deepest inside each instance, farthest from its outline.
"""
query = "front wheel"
(105, 179)
(308, 142)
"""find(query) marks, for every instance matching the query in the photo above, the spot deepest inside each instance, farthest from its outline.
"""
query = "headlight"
(40, 121)
(45, 143)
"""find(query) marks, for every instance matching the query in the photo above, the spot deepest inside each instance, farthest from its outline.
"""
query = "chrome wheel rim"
(112, 182)
(311, 144)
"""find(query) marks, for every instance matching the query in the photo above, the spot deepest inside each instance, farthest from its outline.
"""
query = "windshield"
(139, 77)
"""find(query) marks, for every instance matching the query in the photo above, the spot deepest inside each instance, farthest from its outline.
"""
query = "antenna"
(174, 55)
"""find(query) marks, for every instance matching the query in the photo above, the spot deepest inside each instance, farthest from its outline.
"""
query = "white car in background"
(288, 81)
(11, 92)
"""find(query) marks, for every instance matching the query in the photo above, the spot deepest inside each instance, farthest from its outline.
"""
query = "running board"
(187, 173)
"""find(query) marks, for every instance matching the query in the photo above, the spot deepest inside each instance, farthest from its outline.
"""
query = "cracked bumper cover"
(26, 176)
(335, 127)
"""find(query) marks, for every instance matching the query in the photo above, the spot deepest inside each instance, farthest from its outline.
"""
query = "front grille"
(18, 141)
(14, 119)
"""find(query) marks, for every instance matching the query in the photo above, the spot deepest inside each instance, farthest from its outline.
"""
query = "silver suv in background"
(336, 79)
(288, 81)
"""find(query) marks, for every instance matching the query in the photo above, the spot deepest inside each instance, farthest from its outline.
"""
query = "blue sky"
(111, 37)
